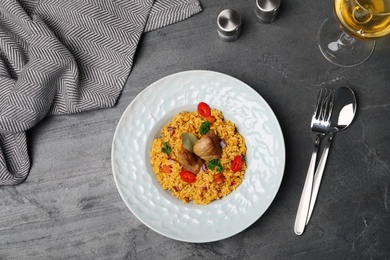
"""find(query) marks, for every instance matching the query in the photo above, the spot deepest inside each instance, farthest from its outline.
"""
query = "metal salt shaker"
(267, 10)
(229, 25)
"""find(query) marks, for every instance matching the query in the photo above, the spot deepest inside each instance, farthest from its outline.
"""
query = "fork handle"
(304, 203)
(318, 175)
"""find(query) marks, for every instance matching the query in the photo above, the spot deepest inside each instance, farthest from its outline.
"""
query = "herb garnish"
(204, 127)
(166, 148)
(188, 141)
(215, 164)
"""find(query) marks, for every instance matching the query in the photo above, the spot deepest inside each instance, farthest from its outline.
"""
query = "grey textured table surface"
(69, 207)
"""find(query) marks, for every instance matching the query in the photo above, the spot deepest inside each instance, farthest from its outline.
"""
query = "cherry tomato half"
(204, 109)
(236, 164)
(187, 176)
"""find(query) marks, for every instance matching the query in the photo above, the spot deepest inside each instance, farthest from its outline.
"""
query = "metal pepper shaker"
(229, 25)
(267, 10)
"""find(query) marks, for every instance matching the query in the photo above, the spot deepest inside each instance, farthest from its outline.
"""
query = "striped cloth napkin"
(60, 57)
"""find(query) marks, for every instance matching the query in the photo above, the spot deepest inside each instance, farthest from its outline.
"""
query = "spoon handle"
(318, 176)
(303, 208)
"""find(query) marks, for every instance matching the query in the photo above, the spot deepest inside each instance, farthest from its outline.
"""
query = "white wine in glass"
(361, 22)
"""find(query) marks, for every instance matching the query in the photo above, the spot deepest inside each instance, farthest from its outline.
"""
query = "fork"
(320, 125)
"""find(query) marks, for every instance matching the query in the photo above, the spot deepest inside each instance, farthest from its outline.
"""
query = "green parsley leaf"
(204, 127)
(166, 148)
(212, 164)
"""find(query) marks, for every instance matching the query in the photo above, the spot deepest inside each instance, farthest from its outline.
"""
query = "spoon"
(344, 109)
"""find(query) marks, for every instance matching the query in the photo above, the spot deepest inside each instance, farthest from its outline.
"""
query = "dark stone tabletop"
(69, 206)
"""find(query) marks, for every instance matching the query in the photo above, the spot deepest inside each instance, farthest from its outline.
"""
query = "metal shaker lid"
(229, 24)
(267, 10)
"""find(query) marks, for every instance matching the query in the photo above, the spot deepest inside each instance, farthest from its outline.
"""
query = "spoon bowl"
(344, 109)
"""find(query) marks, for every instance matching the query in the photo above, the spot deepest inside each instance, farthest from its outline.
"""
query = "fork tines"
(324, 106)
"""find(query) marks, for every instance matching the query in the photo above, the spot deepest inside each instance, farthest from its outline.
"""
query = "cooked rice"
(203, 190)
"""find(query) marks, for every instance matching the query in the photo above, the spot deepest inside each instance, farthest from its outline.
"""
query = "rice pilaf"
(204, 189)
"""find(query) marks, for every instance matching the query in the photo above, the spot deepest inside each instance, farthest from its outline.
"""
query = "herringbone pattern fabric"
(60, 57)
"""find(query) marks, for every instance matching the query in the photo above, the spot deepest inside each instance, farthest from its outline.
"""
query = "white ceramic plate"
(141, 123)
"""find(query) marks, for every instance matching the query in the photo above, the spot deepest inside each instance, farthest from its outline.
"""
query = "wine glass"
(361, 22)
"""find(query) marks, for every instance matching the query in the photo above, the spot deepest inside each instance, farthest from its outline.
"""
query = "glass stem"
(345, 39)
